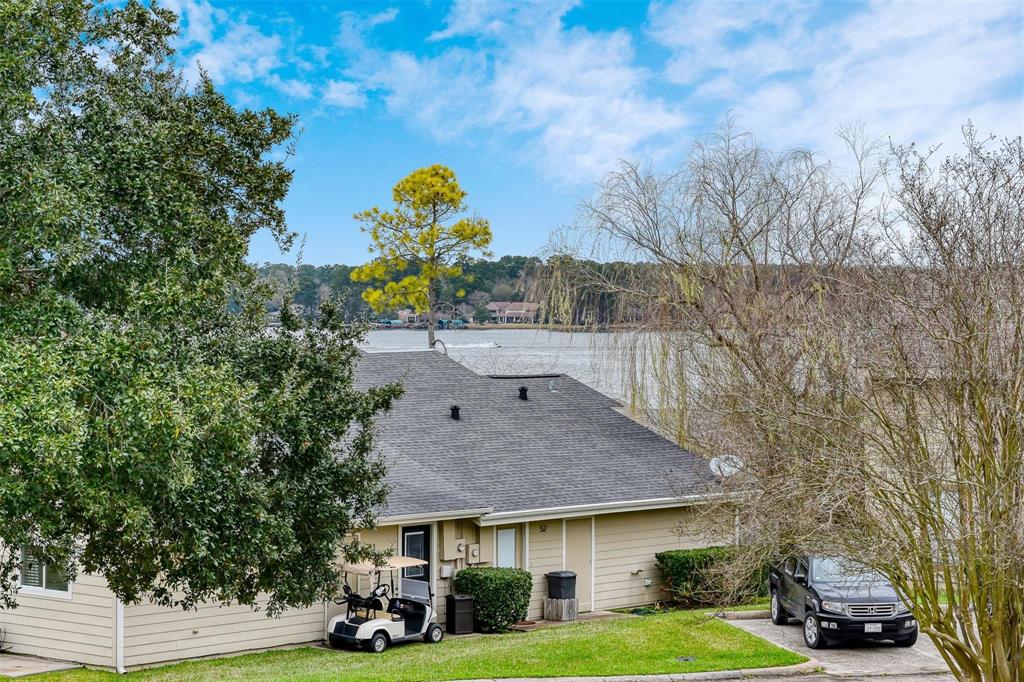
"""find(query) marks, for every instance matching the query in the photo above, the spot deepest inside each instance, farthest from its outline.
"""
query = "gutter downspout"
(119, 635)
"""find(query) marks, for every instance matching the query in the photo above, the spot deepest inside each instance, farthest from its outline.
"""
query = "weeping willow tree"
(854, 340)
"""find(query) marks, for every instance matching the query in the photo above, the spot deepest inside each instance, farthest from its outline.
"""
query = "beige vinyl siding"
(80, 629)
(627, 542)
(155, 634)
(450, 531)
(443, 587)
(382, 538)
(545, 554)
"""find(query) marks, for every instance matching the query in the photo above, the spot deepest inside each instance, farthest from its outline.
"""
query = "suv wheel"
(909, 640)
(812, 633)
(779, 615)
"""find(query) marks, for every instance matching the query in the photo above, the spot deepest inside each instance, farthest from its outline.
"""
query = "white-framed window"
(36, 577)
(506, 548)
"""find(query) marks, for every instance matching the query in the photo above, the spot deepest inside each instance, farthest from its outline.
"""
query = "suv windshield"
(835, 570)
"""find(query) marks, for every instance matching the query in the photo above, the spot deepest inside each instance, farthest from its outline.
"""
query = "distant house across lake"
(408, 316)
(504, 312)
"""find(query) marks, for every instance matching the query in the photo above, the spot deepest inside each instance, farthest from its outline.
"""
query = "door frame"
(430, 537)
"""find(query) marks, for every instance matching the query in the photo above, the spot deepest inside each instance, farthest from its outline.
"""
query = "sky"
(531, 103)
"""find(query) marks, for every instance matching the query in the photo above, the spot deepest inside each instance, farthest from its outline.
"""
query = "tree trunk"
(431, 321)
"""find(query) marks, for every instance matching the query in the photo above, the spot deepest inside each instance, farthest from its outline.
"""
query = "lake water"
(493, 350)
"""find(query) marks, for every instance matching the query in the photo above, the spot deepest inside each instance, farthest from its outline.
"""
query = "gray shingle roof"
(557, 449)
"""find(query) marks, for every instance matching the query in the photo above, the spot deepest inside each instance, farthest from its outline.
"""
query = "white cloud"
(576, 97)
(911, 71)
(700, 34)
(344, 95)
(511, 76)
(232, 50)
(197, 19)
(292, 87)
(497, 17)
(242, 54)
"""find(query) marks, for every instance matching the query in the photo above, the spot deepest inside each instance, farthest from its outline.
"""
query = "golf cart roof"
(391, 564)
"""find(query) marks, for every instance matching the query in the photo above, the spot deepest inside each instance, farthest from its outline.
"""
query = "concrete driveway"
(855, 659)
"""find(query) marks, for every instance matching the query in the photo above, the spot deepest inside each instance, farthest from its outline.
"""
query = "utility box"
(458, 614)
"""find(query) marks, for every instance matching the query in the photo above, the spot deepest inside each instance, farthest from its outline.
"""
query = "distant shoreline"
(513, 325)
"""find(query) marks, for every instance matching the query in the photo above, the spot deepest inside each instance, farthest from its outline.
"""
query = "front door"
(416, 544)
(579, 558)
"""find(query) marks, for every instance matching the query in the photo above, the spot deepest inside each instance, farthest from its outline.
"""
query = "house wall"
(156, 634)
(624, 549)
(79, 629)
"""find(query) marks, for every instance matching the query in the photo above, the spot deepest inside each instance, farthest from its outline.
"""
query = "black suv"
(838, 600)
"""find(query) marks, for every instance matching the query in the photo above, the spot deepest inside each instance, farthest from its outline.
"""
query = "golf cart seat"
(412, 612)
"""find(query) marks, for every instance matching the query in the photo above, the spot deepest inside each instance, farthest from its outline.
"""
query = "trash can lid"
(459, 597)
(561, 574)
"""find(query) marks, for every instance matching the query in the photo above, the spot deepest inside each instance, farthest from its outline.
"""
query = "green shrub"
(696, 577)
(501, 596)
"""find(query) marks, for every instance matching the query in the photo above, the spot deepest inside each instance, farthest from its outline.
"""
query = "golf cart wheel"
(779, 615)
(909, 640)
(434, 634)
(812, 633)
(378, 643)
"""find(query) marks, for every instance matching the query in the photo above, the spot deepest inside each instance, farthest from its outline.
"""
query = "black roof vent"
(455, 411)
(522, 393)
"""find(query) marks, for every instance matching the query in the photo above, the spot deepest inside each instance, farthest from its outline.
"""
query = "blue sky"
(531, 103)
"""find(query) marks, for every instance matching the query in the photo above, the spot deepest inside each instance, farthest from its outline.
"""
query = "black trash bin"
(459, 614)
(561, 585)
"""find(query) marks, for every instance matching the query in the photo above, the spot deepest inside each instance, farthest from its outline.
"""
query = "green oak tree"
(150, 429)
(417, 234)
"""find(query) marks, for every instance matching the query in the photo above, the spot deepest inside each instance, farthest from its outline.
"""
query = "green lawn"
(761, 605)
(645, 645)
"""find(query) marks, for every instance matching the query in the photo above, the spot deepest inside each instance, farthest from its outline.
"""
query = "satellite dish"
(725, 466)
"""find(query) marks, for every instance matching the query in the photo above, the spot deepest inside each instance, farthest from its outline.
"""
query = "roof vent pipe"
(522, 393)
(455, 411)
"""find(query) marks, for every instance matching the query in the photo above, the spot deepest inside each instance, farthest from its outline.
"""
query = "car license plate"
(872, 627)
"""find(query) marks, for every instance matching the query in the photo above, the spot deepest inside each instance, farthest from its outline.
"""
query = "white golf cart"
(382, 619)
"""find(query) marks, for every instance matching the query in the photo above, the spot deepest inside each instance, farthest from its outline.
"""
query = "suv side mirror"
(800, 579)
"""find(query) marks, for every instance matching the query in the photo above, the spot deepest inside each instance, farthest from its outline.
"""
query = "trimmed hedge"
(501, 596)
(690, 576)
